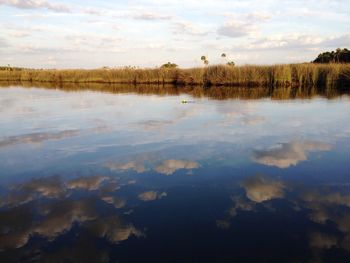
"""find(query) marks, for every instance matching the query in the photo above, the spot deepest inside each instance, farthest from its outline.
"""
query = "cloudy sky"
(148, 33)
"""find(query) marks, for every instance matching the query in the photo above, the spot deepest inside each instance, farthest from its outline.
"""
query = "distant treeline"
(289, 75)
(9, 68)
(338, 56)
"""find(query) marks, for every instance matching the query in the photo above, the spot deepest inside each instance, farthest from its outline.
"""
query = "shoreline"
(285, 75)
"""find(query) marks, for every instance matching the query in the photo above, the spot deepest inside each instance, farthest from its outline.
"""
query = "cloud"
(236, 29)
(335, 198)
(36, 4)
(296, 41)
(18, 222)
(92, 11)
(115, 201)
(37, 137)
(286, 154)
(258, 17)
(50, 187)
(88, 183)
(188, 28)
(322, 241)
(148, 16)
(58, 218)
(260, 188)
(151, 195)
(113, 229)
(133, 165)
(239, 204)
(168, 167)
(55, 217)
(3, 43)
(321, 204)
(328, 207)
(93, 42)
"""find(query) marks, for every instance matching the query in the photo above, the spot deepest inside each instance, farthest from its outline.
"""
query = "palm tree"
(205, 60)
(224, 57)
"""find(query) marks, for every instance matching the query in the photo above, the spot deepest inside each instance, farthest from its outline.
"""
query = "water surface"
(122, 176)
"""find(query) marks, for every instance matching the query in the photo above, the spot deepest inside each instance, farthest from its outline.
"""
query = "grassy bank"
(289, 75)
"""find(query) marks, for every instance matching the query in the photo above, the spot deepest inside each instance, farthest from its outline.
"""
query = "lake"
(132, 174)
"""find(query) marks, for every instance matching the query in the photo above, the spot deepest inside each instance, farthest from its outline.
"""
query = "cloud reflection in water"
(285, 155)
(47, 208)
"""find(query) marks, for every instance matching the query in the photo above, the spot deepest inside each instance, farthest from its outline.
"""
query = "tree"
(205, 60)
(224, 57)
(338, 56)
(169, 65)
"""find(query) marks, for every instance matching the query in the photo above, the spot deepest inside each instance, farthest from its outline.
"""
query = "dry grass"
(287, 75)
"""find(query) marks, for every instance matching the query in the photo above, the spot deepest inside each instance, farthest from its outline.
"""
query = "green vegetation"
(9, 68)
(205, 60)
(338, 56)
(290, 75)
(169, 65)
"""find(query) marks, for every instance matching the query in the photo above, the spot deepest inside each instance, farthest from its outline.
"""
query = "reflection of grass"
(215, 92)
(289, 75)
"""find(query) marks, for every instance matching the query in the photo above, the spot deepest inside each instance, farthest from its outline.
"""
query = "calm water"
(88, 176)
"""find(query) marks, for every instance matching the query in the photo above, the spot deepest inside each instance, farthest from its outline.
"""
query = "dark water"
(87, 176)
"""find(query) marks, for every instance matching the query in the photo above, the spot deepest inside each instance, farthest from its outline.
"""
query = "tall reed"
(286, 75)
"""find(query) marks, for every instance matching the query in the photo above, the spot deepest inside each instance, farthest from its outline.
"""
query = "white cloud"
(151, 196)
(3, 43)
(113, 229)
(89, 183)
(294, 41)
(37, 137)
(132, 165)
(169, 167)
(286, 154)
(186, 27)
(236, 29)
(260, 188)
(115, 201)
(35, 4)
(258, 16)
(151, 16)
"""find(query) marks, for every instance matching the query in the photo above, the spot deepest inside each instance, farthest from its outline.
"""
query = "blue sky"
(148, 33)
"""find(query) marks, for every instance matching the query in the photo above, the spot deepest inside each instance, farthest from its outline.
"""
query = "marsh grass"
(286, 75)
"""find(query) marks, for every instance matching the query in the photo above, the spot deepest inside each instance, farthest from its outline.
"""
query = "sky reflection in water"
(89, 176)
